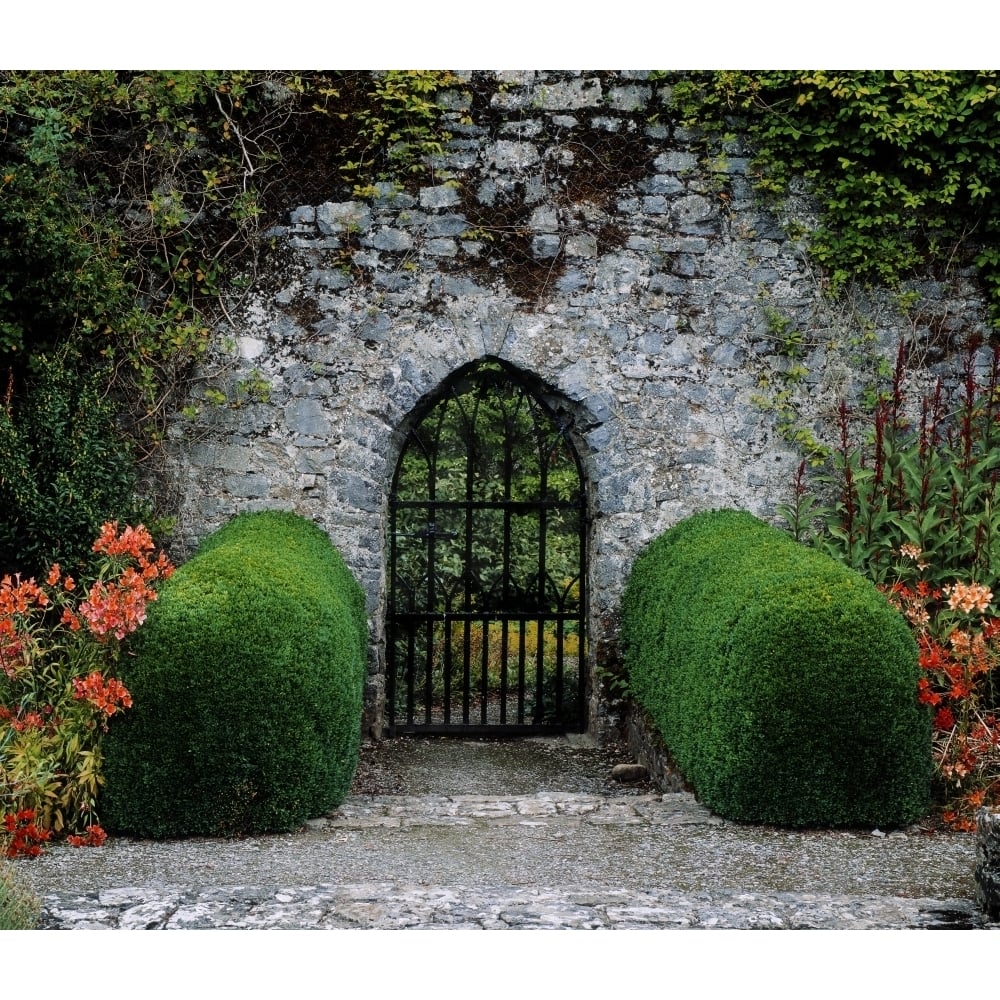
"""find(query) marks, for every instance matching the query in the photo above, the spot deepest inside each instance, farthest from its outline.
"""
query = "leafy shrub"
(64, 467)
(959, 656)
(130, 200)
(931, 481)
(19, 909)
(60, 641)
(902, 162)
(782, 682)
(916, 508)
(247, 681)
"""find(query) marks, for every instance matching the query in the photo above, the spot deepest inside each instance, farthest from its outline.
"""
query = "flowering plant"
(59, 643)
(959, 654)
(24, 836)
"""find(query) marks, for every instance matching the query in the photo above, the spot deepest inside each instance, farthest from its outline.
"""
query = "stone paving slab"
(391, 906)
(563, 808)
(546, 860)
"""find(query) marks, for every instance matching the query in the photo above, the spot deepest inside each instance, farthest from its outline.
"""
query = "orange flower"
(132, 542)
(70, 619)
(105, 695)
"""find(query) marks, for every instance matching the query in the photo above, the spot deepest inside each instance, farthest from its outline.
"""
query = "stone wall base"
(988, 863)
(646, 746)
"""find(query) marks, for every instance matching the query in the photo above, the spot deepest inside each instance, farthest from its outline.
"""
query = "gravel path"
(531, 834)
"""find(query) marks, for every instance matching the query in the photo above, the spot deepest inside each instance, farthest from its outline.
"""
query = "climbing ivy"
(129, 201)
(401, 126)
(905, 164)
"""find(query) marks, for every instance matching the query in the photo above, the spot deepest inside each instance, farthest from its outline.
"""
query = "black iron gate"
(486, 624)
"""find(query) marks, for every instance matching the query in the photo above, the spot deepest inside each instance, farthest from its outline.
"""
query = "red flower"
(94, 837)
(925, 695)
(959, 690)
(27, 837)
(944, 718)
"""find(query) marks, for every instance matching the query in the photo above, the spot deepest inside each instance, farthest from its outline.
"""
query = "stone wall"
(988, 863)
(570, 229)
(646, 747)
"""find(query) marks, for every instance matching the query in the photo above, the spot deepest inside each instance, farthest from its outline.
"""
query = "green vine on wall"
(132, 208)
(130, 200)
(780, 386)
(905, 165)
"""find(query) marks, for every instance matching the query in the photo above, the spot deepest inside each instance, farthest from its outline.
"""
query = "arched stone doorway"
(486, 621)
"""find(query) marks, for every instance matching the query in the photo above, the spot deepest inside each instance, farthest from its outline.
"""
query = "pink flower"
(968, 597)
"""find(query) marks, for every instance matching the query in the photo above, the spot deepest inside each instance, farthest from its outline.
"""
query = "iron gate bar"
(424, 622)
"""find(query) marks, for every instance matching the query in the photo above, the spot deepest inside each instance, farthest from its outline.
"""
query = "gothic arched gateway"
(486, 625)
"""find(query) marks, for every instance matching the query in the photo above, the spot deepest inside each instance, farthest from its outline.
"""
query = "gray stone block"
(334, 218)
(545, 245)
(393, 240)
(249, 486)
(307, 417)
(448, 225)
(508, 155)
(581, 245)
(661, 184)
(441, 248)
(226, 458)
(568, 94)
(693, 208)
(441, 196)
(675, 161)
(333, 280)
(629, 98)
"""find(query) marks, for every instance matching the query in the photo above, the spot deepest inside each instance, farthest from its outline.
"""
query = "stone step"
(548, 859)
(385, 905)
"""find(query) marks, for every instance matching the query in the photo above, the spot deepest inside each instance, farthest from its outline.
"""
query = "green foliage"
(247, 684)
(19, 909)
(119, 193)
(932, 483)
(65, 467)
(783, 683)
(905, 164)
(400, 128)
(130, 200)
(127, 197)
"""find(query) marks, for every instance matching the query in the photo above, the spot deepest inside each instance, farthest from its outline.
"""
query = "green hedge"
(783, 683)
(247, 686)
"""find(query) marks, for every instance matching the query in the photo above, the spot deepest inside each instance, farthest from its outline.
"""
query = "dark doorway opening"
(486, 628)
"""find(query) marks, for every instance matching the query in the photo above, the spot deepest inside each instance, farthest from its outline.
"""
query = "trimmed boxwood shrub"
(782, 682)
(247, 683)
